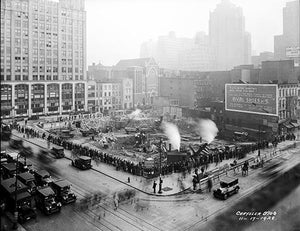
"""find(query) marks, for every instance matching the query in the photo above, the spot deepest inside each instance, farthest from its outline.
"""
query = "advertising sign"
(252, 98)
(292, 52)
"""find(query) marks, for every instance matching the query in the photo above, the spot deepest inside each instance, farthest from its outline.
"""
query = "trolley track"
(136, 223)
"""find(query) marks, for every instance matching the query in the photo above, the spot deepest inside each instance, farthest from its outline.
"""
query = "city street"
(188, 211)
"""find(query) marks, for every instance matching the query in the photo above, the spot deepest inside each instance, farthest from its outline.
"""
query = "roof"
(62, 183)
(176, 153)
(23, 195)
(10, 166)
(126, 63)
(227, 179)
(26, 176)
(47, 191)
(43, 173)
(84, 157)
(9, 185)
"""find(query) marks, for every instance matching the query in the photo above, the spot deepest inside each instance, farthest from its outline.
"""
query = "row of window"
(288, 92)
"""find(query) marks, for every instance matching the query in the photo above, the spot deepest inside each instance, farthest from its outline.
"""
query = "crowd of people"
(193, 160)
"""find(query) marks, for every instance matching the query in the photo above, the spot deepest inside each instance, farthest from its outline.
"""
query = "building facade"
(144, 73)
(43, 53)
(287, 45)
(109, 95)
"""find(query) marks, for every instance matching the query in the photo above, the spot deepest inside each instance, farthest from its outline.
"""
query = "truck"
(17, 198)
(82, 162)
(45, 200)
(63, 192)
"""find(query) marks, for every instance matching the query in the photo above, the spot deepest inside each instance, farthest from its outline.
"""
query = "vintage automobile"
(82, 162)
(43, 178)
(16, 143)
(29, 180)
(5, 133)
(18, 196)
(8, 170)
(46, 202)
(228, 186)
(63, 192)
(58, 152)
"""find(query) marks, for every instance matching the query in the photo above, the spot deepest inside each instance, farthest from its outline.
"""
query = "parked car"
(228, 186)
(29, 180)
(18, 197)
(63, 191)
(43, 178)
(46, 202)
(82, 162)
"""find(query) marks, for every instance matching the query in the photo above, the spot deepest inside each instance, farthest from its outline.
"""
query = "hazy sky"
(116, 28)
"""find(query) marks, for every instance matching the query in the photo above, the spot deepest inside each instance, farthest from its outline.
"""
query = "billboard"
(252, 98)
(292, 52)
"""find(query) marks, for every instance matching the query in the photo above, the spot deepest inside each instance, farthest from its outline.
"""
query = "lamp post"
(160, 152)
(15, 223)
(160, 180)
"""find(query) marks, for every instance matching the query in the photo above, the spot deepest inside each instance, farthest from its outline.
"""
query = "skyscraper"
(286, 46)
(228, 38)
(43, 57)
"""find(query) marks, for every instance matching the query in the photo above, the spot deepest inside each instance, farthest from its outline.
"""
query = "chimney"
(170, 147)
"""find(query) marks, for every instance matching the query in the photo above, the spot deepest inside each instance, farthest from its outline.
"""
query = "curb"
(96, 170)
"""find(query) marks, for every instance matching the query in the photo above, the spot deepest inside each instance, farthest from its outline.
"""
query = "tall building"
(199, 57)
(166, 50)
(286, 46)
(228, 38)
(43, 57)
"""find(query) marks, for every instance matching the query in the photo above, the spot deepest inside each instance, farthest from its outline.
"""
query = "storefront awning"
(296, 125)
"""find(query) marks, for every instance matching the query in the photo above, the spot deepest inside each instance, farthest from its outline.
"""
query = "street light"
(160, 180)
(15, 224)
(259, 129)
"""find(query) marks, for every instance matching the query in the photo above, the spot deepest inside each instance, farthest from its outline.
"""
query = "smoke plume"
(172, 133)
(207, 129)
(134, 114)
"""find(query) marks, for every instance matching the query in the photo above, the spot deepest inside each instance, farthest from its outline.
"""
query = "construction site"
(139, 137)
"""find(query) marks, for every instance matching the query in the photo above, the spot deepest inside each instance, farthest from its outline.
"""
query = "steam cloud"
(134, 114)
(207, 129)
(172, 133)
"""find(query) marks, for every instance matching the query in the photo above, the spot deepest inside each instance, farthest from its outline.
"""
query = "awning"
(288, 126)
(296, 125)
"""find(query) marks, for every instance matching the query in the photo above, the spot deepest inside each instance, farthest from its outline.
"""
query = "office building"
(286, 46)
(228, 38)
(43, 53)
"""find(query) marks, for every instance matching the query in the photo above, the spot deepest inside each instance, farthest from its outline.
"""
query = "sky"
(117, 28)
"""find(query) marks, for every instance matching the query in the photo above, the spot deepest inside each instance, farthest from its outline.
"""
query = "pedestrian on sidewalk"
(209, 184)
(154, 186)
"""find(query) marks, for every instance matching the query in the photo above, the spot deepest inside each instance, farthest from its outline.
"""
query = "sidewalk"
(172, 183)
